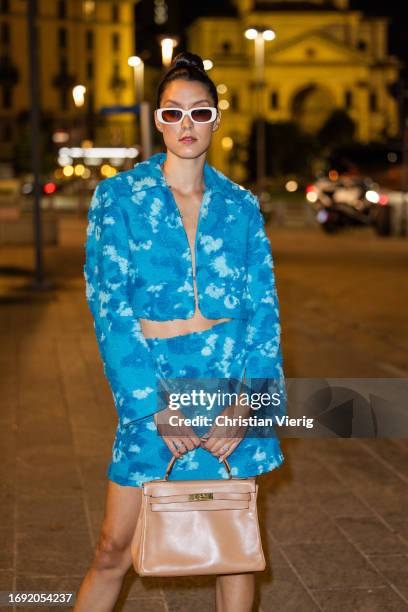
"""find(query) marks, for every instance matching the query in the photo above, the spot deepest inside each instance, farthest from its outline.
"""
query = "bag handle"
(173, 460)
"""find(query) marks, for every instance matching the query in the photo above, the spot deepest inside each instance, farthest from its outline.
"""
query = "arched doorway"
(311, 106)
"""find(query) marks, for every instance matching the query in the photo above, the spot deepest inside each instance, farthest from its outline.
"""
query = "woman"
(180, 284)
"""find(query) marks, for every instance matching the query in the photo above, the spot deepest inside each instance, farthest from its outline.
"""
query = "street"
(333, 517)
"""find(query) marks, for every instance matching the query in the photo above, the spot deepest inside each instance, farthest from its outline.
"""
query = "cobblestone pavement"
(334, 516)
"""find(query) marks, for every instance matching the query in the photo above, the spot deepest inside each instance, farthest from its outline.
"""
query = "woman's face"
(186, 95)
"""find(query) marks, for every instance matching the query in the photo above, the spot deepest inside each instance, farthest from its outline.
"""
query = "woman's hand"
(184, 439)
(220, 445)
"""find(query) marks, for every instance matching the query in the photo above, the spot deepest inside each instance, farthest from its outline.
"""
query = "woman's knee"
(111, 553)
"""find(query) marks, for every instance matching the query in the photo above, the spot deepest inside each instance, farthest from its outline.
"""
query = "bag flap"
(160, 488)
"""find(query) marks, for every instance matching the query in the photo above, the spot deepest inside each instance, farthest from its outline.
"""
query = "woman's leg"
(235, 592)
(112, 558)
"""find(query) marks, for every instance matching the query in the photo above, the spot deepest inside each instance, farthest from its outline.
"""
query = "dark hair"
(189, 67)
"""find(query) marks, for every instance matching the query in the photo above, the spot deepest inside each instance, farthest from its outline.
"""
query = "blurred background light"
(291, 186)
(251, 33)
(208, 64)
(227, 143)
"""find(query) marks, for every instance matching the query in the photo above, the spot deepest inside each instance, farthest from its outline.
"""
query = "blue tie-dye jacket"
(138, 264)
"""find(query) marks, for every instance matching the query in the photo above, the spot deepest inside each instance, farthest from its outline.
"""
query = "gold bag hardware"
(200, 496)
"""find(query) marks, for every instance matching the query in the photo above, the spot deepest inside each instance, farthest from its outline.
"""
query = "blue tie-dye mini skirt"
(139, 453)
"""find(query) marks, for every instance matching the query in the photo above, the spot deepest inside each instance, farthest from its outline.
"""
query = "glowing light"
(333, 175)
(89, 7)
(107, 170)
(98, 152)
(167, 46)
(64, 160)
(79, 169)
(87, 144)
(322, 216)
(78, 93)
(227, 143)
(372, 196)
(251, 33)
(222, 88)
(134, 61)
(208, 64)
(223, 104)
(68, 171)
(392, 157)
(268, 35)
(86, 174)
(383, 199)
(310, 188)
(49, 188)
(291, 186)
(311, 196)
(27, 188)
(60, 136)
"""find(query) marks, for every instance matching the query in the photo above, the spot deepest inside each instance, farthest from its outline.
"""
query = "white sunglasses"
(201, 114)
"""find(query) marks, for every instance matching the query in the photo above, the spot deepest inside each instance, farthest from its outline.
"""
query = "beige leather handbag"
(194, 527)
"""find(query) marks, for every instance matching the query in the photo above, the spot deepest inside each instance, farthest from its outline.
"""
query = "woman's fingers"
(222, 447)
(232, 445)
(180, 446)
(172, 447)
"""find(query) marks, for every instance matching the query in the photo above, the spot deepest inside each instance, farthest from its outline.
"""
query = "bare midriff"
(189, 209)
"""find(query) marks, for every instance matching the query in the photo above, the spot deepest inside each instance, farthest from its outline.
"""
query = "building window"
(115, 41)
(5, 6)
(234, 102)
(63, 66)
(373, 102)
(90, 70)
(88, 7)
(64, 93)
(7, 133)
(274, 100)
(362, 45)
(89, 40)
(62, 38)
(7, 101)
(62, 9)
(5, 34)
(348, 99)
(115, 12)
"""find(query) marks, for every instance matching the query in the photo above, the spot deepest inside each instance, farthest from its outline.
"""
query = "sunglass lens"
(171, 116)
(201, 114)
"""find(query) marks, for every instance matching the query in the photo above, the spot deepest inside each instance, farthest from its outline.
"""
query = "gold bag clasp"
(199, 496)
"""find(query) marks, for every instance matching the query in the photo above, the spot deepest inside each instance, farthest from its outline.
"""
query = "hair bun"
(187, 59)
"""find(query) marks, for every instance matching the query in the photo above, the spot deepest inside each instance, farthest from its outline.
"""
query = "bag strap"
(173, 460)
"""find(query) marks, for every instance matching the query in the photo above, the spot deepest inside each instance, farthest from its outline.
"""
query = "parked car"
(348, 201)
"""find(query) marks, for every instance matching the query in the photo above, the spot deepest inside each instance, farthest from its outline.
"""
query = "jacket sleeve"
(263, 332)
(126, 356)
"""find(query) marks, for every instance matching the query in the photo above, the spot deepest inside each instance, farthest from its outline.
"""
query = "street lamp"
(138, 71)
(167, 45)
(78, 93)
(137, 64)
(259, 37)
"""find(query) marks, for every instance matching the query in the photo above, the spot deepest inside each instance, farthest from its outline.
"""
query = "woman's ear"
(217, 121)
(157, 123)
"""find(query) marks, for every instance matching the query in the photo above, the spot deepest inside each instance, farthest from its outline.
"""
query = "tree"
(338, 129)
(287, 148)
